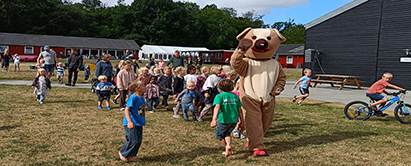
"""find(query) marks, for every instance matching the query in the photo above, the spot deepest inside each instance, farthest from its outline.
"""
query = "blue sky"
(302, 11)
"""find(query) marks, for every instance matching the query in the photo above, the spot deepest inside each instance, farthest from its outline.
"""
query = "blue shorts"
(224, 129)
(375, 96)
(304, 91)
(50, 68)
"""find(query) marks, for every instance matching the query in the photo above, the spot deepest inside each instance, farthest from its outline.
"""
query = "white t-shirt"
(190, 77)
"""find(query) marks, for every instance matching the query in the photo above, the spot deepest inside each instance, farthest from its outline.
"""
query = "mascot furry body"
(261, 79)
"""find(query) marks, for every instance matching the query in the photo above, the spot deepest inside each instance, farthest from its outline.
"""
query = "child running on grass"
(133, 122)
(103, 90)
(210, 88)
(124, 77)
(153, 93)
(166, 82)
(375, 92)
(41, 83)
(226, 113)
(178, 87)
(305, 84)
(60, 72)
(187, 96)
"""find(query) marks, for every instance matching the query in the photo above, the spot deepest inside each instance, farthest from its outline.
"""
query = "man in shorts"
(50, 60)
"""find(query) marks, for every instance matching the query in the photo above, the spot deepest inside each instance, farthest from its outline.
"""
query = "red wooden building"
(29, 46)
(291, 55)
(217, 56)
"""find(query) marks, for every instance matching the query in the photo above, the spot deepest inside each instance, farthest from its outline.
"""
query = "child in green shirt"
(226, 113)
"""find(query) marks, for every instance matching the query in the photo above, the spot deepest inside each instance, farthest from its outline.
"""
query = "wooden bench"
(337, 79)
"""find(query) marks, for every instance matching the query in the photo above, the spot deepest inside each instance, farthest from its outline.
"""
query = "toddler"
(305, 84)
(103, 91)
(124, 77)
(210, 90)
(86, 73)
(187, 96)
(16, 62)
(178, 87)
(191, 76)
(226, 114)
(60, 72)
(165, 81)
(153, 93)
(157, 72)
(41, 83)
(133, 122)
(204, 71)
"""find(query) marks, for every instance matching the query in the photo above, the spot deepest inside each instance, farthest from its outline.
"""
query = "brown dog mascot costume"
(261, 79)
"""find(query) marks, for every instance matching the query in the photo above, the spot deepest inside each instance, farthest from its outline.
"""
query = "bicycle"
(359, 110)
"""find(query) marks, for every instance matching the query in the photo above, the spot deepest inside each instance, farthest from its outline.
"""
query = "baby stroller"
(94, 83)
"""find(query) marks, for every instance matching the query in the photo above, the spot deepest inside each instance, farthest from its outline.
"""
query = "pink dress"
(161, 65)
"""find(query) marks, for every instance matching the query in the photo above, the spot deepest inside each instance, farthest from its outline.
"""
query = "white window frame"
(290, 59)
(26, 52)
(2, 48)
(218, 56)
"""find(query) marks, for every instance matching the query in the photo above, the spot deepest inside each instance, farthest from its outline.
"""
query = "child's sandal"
(294, 98)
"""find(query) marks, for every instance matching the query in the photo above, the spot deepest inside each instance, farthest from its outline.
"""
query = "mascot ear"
(280, 36)
(242, 34)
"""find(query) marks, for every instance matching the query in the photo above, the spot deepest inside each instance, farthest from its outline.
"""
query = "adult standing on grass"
(104, 67)
(74, 63)
(176, 60)
(5, 57)
(50, 60)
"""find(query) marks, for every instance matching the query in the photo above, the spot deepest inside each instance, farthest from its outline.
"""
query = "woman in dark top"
(104, 67)
(75, 61)
(5, 57)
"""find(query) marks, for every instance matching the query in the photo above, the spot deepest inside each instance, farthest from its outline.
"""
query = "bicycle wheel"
(402, 113)
(357, 110)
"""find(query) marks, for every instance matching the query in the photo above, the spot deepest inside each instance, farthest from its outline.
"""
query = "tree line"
(160, 22)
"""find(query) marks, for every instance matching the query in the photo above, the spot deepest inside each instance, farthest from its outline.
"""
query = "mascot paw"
(245, 44)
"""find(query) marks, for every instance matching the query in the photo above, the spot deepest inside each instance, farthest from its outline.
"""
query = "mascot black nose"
(261, 44)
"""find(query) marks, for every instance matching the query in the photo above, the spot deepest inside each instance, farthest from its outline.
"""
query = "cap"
(46, 47)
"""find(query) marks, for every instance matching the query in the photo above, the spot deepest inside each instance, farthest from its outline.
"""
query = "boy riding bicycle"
(375, 92)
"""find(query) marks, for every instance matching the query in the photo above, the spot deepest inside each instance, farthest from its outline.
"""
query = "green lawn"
(68, 129)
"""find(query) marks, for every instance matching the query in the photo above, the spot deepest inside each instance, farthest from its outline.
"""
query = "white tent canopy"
(166, 52)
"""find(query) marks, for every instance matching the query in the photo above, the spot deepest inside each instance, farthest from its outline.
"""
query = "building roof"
(290, 49)
(66, 41)
(155, 49)
(334, 13)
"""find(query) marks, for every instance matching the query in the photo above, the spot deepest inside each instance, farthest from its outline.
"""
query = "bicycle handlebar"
(399, 92)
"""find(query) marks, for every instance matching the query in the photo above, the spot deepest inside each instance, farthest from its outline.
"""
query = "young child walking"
(375, 92)
(153, 93)
(133, 122)
(191, 74)
(60, 72)
(124, 77)
(166, 82)
(210, 88)
(178, 87)
(41, 83)
(103, 90)
(226, 114)
(204, 71)
(187, 96)
(86, 73)
(305, 84)
(16, 62)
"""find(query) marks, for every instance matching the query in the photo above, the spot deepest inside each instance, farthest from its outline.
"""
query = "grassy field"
(69, 130)
(28, 74)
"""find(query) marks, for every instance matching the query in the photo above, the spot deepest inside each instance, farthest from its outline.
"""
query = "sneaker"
(242, 135)
(108, 108)
(99, 107)
(299, 104)
(151, 111)
(294, 98)
(176, 116)
(114, 101)
(186, 120)
(68, 84)
(73, 84)
(380, 114)
(41, 102)
(259, 153)
(122, 109)
(174, 109)
(236, 133)
(154, 109)
(200, 119)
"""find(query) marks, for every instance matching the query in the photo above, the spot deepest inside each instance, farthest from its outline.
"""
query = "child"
(103, 91)
(153, 93)
(135, 66)
(157, 72)
(151, 71)
(305, 84)
(40, 65)
(133, 122)
(161, 65)
(190, 61)
(124, 77)
(16, 62)
(187, 96)
(231, 75)
(41, 83)
(210, 90)
(60, 72)
(178, 87)
(86, 73)
(144, 76)
(226, 114)
(191, 76)
(224, 71)
(204, 71)
(116, 70)
(375, 92)
(165, 81)
(237, 130)
(151, 63)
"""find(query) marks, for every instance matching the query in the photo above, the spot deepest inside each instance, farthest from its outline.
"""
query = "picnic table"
(337, 79)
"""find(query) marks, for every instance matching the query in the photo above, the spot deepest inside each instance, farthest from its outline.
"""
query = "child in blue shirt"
(103, 90)
(305, 84)
(133, 122)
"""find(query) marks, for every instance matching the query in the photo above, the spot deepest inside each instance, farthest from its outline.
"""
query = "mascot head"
(260, 43)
